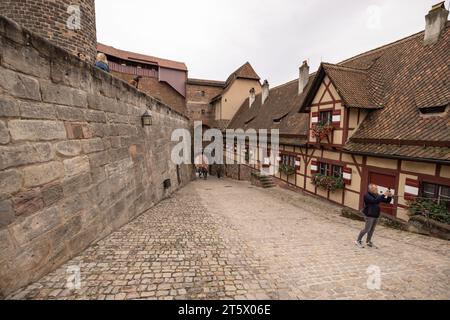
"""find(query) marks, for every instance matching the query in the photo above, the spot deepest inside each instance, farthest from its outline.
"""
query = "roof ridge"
(128, 53)
(292, 81)
(338, 66)
(209, 80)
(386, 46)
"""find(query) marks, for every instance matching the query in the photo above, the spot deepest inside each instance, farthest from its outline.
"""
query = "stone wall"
(75, 161)
(198, 102)
(49, 19)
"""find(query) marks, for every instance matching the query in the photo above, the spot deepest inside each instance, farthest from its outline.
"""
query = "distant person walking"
(219, 171)
(372, 212)
(102, 62)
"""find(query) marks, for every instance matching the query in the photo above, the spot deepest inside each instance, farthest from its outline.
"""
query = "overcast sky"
(215, 37)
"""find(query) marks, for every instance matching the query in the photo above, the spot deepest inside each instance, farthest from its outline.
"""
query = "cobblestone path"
(229, 240)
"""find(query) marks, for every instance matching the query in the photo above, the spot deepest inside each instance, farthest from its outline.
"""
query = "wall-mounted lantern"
(147, 119)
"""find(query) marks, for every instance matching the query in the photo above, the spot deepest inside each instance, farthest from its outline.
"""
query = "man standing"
(371, 212)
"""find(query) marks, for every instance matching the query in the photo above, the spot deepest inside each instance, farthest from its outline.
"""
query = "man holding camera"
(372, 212)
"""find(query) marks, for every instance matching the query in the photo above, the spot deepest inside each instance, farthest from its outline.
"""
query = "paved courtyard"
(228, 240)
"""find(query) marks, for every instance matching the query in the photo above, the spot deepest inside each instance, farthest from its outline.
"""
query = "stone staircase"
(265, 182)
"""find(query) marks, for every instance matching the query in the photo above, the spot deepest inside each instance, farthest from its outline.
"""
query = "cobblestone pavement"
(229, 240)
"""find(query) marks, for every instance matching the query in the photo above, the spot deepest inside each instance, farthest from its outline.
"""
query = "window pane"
(444, 196)
(337, 171)
(326, 117)
(445, 192)
(323, 168)
(429, 190)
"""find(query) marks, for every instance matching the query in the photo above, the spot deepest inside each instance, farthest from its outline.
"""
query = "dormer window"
(434, 111)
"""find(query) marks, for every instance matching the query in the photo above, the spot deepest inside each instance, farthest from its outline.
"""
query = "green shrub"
(430, 209)
(287, 170)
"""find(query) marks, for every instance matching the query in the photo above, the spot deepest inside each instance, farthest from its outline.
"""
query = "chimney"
(303, 78)
(265, 91)
(436, 20)
(252, 97)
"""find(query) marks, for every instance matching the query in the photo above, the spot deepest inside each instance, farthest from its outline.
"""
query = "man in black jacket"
(371, 212)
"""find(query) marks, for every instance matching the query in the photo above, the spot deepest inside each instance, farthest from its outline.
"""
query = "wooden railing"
(152, 73)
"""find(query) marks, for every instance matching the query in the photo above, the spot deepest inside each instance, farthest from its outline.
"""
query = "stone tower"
(69, 24)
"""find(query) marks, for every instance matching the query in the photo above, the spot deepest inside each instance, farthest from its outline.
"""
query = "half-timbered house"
(381, 117)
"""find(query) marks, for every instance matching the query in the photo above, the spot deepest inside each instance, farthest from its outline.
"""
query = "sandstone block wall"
(75, 161)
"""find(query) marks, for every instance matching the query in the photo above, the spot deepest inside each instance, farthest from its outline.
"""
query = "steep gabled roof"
(245, 71)
(413, 76)
(278, 112)
(394, 81)
(137, 57)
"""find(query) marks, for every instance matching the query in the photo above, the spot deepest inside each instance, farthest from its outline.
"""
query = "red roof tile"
(137, 57)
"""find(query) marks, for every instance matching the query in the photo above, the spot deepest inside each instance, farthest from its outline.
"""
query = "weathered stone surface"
(6, 242)
(98, 174)
(41, 174)
(95, 116)
(36, 110)
(4, 133)
(77, 131)
(58, 94)
(70, 113)
(117, 118)
(99, 159)
(7, 215)
(76, 166)
(28, 202)
(35, 130)
(35, 225)
(11, 156)
(10, 181)
(8, 107)
(92, 145)
(51, 194)
(76, 184)
(26, 60)
(73, 76)
(19, 85)
(98, 129)
(64, 232)
(99, 102)
(75, 204)
(119, 168)
(70, 148)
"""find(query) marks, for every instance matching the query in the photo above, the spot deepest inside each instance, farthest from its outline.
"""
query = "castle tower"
(69, 24)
